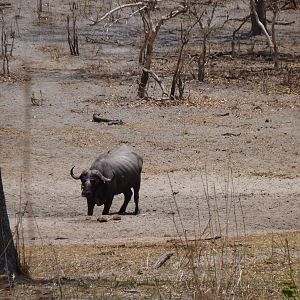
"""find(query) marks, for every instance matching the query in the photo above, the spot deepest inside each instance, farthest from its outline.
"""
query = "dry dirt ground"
(230, 150)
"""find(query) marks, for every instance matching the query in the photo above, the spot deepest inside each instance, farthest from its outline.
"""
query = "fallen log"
(99, 119)
(231, 134)
(162, 259)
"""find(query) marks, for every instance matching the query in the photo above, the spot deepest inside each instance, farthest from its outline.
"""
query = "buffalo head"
(90, 181)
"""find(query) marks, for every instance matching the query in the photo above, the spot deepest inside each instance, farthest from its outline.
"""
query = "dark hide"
(115, 172)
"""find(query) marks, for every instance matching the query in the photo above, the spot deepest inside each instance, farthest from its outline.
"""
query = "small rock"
(116, 218)
(102, 219)
(88, 217)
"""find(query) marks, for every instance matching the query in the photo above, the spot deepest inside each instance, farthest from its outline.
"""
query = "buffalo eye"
(83, 180)
(94, 180)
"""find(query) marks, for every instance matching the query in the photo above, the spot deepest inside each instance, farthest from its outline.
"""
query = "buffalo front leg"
(107, 205)
(91, 205)
(127, 198)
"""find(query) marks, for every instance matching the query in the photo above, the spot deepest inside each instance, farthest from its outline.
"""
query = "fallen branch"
(5, 5)
(35, 101)
(222, 115)
(213, 238)
(162, 260)
(231, 134)
(281, 23)
(157, 79)
(97, 118)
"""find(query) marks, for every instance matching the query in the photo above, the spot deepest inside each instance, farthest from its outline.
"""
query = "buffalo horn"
(74, 176)
(99, 175)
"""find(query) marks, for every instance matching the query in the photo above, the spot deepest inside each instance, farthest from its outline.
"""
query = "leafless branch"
(124, 18)
(174, 13)
(243, 21)
(109, 13)
(177, 78)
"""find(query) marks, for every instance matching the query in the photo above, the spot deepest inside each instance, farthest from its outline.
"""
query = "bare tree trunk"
(39, 5)
(260, 7)
(177, 80)
(72, 37)
(143, 48)
(147, 62)
(4, 51)
(263, 28)
(143, 84)
(202, 60)
(145, 9)
(204, 20)
(275, 53)
(151, 31)
(176, 75)
(8, 253)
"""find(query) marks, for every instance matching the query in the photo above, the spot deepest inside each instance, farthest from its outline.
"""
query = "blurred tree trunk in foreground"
(8, 253)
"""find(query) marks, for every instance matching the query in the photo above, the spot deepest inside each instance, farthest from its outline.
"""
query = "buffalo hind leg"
(136, 198)
(91, 205)
(127, 195)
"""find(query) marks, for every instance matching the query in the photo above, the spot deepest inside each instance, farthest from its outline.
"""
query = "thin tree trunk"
(176, 74)
(263, 28)
(202, 60)
(260, 7)
(177, 81)
(72, 38)
(40, 5)
(234, 34)
(143, 84)
(275, 53)
(8, 253)
(147, 63)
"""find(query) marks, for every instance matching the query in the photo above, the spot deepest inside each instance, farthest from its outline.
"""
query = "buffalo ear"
(84, 173)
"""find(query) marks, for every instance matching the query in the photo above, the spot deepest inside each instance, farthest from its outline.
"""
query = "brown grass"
(125, 270)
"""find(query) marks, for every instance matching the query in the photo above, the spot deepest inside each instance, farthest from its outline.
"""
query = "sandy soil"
(188, 148)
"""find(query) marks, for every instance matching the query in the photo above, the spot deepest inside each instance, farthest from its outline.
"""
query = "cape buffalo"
(112, 173)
